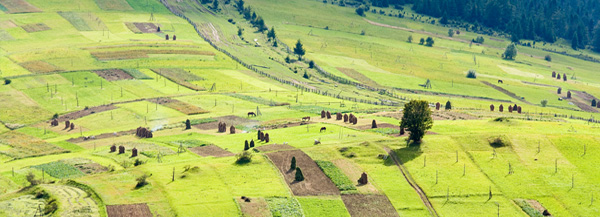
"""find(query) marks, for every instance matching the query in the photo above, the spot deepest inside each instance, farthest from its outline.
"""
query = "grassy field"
(50, 57)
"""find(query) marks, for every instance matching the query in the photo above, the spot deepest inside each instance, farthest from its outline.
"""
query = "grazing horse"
(307, 118)
(323, 129)
(251, 113)
(500, 82)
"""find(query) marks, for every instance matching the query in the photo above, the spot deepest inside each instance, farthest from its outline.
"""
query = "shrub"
(50, 207)
(498, 142)
(7, 81)
(31, 179)
(450, 32)
(471, 74)
(244, 158)
(544, 102)
(311, 64)
(548, 58)
(306, 75)
(138, 162)
(299, 176)
(55, 116)
(141, 181)
(502, 119)
(287, 59)
(360, 11)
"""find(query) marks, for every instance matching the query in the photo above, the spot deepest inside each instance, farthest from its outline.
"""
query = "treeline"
(256, 21)
(547, 20)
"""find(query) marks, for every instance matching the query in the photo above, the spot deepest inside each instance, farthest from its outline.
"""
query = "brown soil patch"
(211, 150)
(274, 147)
(583, 101)
(91, 168)
(536, 205)
(183, 107)
(101, 136)
(180, 76)
(7, 24)
(379, 125)
(146, 27)
(257, 207)
(38, 66)
(113, 74)
(35, 27)
(451, 115)
(129, 210)
(315, 181)
(229, 120)
(368, 205)
(511, 94)
(18, 6)
(82, 113)
(354, 172)
(358, 76)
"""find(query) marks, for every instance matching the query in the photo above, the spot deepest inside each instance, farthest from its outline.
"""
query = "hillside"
(197, 108)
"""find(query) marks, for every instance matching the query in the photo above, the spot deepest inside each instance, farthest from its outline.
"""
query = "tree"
(422, 41)
(360, 11)
(299, 176)
(299, 50)
(410, 38)
(240, 6)
(288, 60)
(450, 32)
(511, 52)
(215, 5)
(188, 124)
(593, 102)
(596, 39)
(544, 102)
(448, 105)
(417, 119)
(271, 34)
(306, 75)
(293, 165)
(429, 42)
(7, 81)
(141, 180)
(472, 73)
(575, 41)
(240, 31)
(548, 58)
(311, 64)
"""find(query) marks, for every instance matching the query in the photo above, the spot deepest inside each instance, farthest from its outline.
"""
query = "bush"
(244, 158)
(502, 119)
(31, 179)
(360, 11)
(429, 42)
(548, 58)
(450, 32)
(138, 162)
(7, 81)
(544, 102)
(471, 74)
(498, 142)
(311, 64)
(141, 181)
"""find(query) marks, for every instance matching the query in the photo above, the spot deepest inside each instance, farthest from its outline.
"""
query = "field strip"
(511, 94)
(437, 35)
(412, 182)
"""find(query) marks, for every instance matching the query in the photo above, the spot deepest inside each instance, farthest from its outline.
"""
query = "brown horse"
(500, 82)
(251, 114)
(307, 118)
(323, 129)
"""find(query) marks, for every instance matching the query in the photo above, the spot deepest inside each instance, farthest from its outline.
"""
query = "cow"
(500, 82)
(307, 118)
(323, 129)
(251, 114)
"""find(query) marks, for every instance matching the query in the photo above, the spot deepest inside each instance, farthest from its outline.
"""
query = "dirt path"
(412, 182)
(511, 94)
